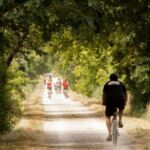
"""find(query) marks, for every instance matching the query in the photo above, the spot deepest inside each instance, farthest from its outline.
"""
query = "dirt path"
(71, 126)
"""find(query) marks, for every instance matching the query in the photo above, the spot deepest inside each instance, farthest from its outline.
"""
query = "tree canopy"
(84, 41)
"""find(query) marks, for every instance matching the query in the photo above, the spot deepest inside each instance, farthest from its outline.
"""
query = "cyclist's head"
(113, 77)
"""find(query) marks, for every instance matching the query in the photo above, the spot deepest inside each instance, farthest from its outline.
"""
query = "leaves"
(84, 41)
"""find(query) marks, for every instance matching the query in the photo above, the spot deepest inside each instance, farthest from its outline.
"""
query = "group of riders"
(58, 86)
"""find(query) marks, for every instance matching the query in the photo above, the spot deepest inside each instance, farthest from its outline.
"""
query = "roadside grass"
(21, 139)
(147, 114)
(139, 129)
(33, 103)
(32, 106)
(141, 139)
(27, 135)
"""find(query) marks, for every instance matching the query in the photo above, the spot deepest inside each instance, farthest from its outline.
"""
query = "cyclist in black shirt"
(114, 96)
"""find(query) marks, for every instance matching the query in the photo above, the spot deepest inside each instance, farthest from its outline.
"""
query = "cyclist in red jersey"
(49, 87)
(65, 88)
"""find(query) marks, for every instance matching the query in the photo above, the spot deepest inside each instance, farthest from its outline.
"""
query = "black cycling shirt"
(114, 91)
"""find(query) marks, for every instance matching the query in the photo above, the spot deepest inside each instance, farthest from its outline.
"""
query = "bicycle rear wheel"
(49, 94)
(114, 131)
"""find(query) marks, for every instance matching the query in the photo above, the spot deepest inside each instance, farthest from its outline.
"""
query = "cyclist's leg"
(108, 113)
(108, 123)
(49, 92)
(59, 89)
(120, 118)
(121, 109)
(55, 88)
(65, 93)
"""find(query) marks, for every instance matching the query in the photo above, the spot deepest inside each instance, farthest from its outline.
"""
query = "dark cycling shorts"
(49, 88)
(109, 111)
(65, 90)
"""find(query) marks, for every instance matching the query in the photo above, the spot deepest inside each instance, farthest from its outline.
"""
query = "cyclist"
(114, 96)
(65, 88)
(58, 86)
(49, 87)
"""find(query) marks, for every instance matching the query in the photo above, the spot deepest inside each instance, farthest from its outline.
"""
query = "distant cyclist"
(114, 96)
(65, 88)
(49, 87)
(58, 86)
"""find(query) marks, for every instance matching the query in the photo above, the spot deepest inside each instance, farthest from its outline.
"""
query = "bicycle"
(57, 89)
(65, 93)
(49, 93)
(114, 128)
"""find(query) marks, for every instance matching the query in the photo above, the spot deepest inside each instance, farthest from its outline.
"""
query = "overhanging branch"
(17, 49)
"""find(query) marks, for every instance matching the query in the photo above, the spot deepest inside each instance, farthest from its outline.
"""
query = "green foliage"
(115, 37)
(84, 41)
(82, 62)
(22, 26)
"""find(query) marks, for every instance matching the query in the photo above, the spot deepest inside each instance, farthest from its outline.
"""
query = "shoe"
(120, 124)
(109, 138)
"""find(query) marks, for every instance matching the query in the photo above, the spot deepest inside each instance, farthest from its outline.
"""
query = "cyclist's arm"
(104, 95)
(125, 93)
(103, 99)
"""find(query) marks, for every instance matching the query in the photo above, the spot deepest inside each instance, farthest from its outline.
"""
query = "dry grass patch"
(132, 123)
(139, 131)
(33, 104)
(141, 139)
(22, 139)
